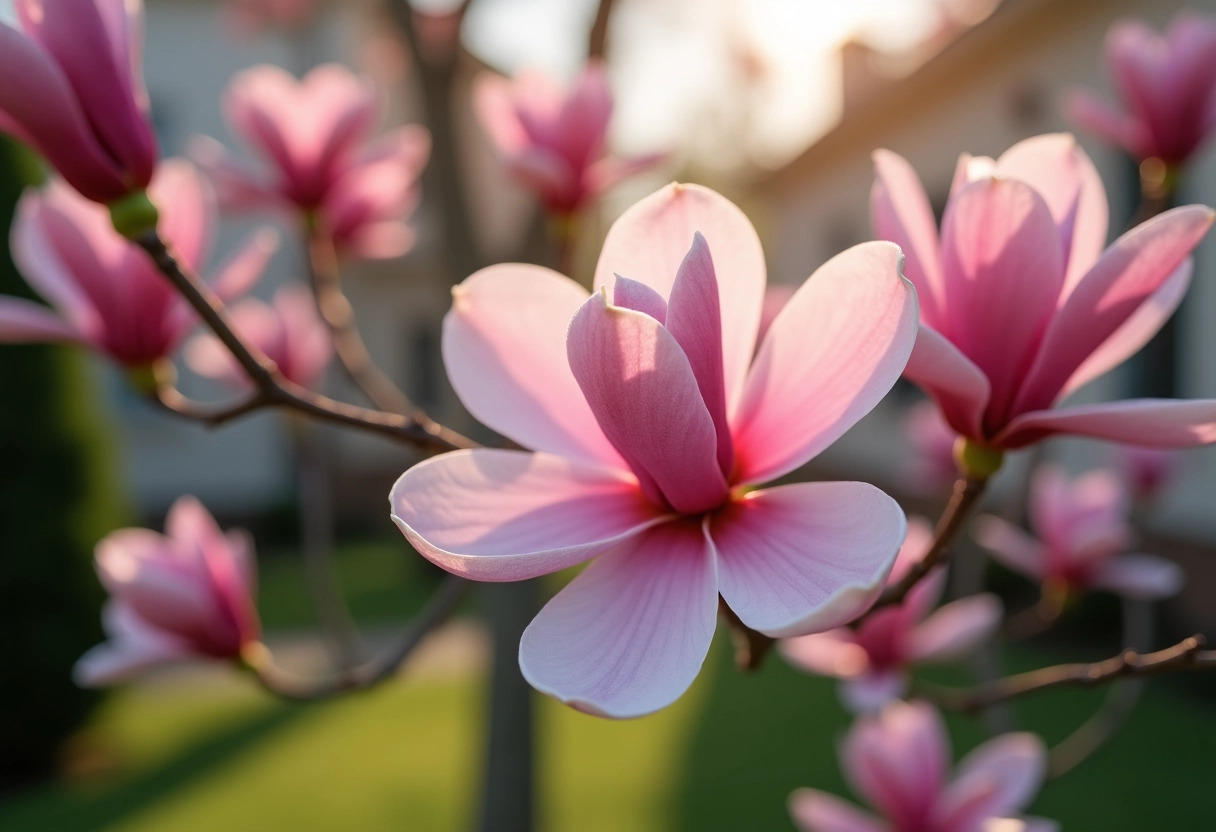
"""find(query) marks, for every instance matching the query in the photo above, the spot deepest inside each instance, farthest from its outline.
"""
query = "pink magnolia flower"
(313, 134)
(1149, 470)
(1082, 536)
(1167, 86)
(932, 462)
(186, 593)
(105, 290)
(74, 91)
(554, 141)
(873, 659)
(899, 762)
(288, 331)
(1020, 305)
(650, 424)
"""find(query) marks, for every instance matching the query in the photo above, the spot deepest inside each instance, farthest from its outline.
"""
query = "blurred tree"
(56, 499)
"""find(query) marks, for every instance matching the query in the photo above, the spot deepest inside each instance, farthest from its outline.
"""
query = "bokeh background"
(776, 103)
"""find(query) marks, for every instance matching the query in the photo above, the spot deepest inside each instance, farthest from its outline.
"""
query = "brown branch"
(272, 389)
(750, 646)
(597, 41)
(336, 311)
(1187, 654)
(275, 680)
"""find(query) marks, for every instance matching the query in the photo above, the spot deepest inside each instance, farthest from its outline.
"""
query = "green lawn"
(175, 758)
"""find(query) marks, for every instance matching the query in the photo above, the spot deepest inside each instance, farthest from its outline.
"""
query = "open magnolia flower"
(650, 425)
(73, 90)
(872, 660)
(106, 292)
(1083, 539)
(186, 593)
(313, 134)
(287, 330)
(555, 141)
(1166, 84)
(899, 761)
(1020, 305)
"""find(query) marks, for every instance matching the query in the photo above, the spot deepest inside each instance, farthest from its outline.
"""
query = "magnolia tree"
(645, 418)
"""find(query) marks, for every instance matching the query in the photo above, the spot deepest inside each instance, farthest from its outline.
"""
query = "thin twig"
(274, 679)
(272, 389)
(597, 41)
(1037, 619)
(750, 646)
(1187, 654)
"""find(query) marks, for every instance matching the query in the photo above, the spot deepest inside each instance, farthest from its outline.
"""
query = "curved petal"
(1151, 423)
(245, 267)
(832, 653)
(495, 109)
(644, 394)
(1011, 546)
(816, 811)
(187, 210)
(1104, 121)
(956, 629)
(35, 253)
(807, 557)
(1130, 272)
(897, 760)
(23, 321)
(830, 356)
(504, 350)
(132, 646)
(632, 294)
(650, 240)
(1008, 770)
(1001, 256)
(494, 515)
(1144, 577)
(629, 634)
(960, 388)
(900, 212)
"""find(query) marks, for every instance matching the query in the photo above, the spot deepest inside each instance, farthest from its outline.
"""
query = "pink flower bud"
(186, 593)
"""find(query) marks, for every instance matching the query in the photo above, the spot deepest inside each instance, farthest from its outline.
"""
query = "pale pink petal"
(1104, 121)
(246, 266)
(959, 387)
(132, 646)
(650, 240)
(872, 692)
(494, 515)
(187, 210)
(495, 109)
(1056, 166)
(1129, 273)
(956, 629)
(776, 296)
(23, 321)
(36, 255)
(253, 104)
(206, 355)
(504, 347)
(1011, 546)
(1152, 423)
(641, 298)
(900, 212)
(1012, 765)
(238, 187)
(642, 390)
(629, 634)
(808, 557)
(607, 172)
(582, 123)
(1000, 251)
(832, 653)
(1029, 825)
(1143, 577)
(832, 354)
(816, 811)
(897, 760)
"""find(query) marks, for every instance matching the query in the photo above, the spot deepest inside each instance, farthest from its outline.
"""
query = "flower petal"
(629, 634)
(830, 356)
(807, 557)
(650, 240)
(23, 321)
(1143, 577)
(643, 392)
(635, 295)
(900, 212)
(1104, 121)
(1151, 423)
(831, 653)
(1011, 765)
(956, 629)
(1011, 546)
(504, 350)
(816, 811)
(132, 646)
(897, 760)
(496, 515)
(872, 692)
(246, 266)
(960, 388)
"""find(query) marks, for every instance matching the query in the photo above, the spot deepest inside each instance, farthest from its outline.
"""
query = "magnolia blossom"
(554, 141)
(73, 89)
(873, 658)
(314, 136)
(650, 424)
(1149, 470)
(186, 593)
(1082, 537)
(899, 762)
(106, 292)
(1020, 305)
(288, 331)
(1167, 87)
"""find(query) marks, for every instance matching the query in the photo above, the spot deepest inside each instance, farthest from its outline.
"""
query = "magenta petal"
(23, 321)
(833, 352)
(1144, 577)
(1106, 122)
(504, 350)
(639, 297)
(956, 629)
(493, 515)
(960, 388)
(897, 760)
(816, 811)
(695, 320)
(804, 558)
(1009, 769)
(900, 212)
(1129, 273)
(1151, 423)
(650, 240)
(629, 634)
(642, 390)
